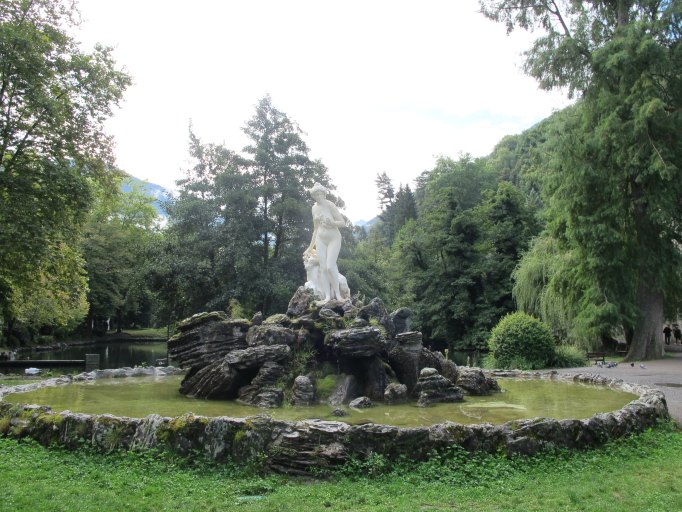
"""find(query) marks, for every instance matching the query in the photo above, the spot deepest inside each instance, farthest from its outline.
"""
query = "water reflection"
(113, 354)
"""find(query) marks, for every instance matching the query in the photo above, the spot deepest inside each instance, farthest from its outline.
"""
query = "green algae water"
(138, 397)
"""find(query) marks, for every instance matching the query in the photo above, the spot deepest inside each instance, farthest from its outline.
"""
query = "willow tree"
(614, 186)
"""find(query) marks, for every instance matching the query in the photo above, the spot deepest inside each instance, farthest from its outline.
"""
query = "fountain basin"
(296, 445)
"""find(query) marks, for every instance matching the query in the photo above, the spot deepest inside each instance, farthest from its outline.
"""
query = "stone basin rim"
(295, 446)
(584, 378)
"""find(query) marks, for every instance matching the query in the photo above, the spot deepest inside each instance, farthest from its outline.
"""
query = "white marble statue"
(312, 268)
(325, 246)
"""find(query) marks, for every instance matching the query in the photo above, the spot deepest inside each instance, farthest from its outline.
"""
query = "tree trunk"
(647, 341)
(119, 320)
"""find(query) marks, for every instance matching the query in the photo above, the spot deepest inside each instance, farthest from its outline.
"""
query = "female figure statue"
(326, 241)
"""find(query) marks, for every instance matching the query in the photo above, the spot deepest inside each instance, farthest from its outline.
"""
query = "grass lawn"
(159, 332)
(641, 473)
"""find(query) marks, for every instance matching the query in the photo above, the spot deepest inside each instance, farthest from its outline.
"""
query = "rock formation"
(354, 349)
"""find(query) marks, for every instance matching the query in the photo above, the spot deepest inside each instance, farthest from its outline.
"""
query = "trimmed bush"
(520, 341)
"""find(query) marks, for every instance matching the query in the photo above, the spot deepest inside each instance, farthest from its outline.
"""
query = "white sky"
(375, 85)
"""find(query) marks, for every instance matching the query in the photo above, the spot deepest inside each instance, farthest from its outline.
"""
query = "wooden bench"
(596, 356)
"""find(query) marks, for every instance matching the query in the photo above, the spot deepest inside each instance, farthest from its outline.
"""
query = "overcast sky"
(376, 86)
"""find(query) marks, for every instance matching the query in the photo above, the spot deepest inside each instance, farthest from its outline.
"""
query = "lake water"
(519, 399)
(113, 354)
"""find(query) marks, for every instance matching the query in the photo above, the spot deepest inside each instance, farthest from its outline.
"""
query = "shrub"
(569, 356)
(521, 341)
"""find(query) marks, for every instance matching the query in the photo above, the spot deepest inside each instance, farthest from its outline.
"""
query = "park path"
(663, 374)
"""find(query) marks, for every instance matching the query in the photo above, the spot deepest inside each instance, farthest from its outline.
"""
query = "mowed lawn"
(640, 473)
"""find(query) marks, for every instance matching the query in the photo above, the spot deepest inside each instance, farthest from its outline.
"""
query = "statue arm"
(312, 241)
(339, 219)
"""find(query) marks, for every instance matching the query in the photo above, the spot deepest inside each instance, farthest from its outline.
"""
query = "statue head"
(318, 190)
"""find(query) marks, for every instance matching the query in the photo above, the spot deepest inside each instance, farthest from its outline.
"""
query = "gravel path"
(664, 374)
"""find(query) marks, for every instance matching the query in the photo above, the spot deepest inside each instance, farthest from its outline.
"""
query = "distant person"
(677, 333)
(667, 331)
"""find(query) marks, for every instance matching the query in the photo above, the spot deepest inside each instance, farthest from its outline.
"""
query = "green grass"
(640, 473)
(159, 332)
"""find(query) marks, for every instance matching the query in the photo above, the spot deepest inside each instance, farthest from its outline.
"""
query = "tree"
(386, 190)
(280, 171)
(455, 259)
(240, 224)
(614, 189)
(54, 100)
(116, 243)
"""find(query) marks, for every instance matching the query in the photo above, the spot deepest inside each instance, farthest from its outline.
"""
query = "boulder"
(434, 359)
(254, 357)
(339, 412)
(303, 391)
(376, 310)
(346, 389)
(362, 402)
(217, 381)
(207, 339)
(262, 391)
(277, 319)
(301, 302)
(257, 318)
(270, 335)
(432, 387)
(404, 358)
(401, 320)
(395, 393)
(474, 382)
(356, 343)
(269, 397)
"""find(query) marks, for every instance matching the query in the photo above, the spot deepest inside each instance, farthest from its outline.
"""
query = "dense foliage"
(613, 184)
(447, 250)
(241, 221)
(577, 216)
(522, 342)
(54, 99)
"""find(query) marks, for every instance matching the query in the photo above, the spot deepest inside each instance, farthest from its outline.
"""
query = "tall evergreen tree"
(615, 188)
(240, 224)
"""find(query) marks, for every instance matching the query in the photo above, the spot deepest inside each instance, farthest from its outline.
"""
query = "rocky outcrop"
(401, 320)
(262, 391)
(432, 388)
(376, 311)
(217, 381)
(474, 382)
(269, 334)
(395, 393)
(404, 357)
(361, 402)
(233, 358)
(255, 357)
(430, 359)
(303, 391)
(301, 302)
(205, 338)
(345, 390)
(356, 343)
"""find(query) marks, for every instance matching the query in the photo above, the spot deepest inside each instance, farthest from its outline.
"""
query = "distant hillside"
(366, 224)
(159, 193)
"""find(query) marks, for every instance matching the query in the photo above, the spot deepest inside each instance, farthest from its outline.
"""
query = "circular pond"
(519, 399)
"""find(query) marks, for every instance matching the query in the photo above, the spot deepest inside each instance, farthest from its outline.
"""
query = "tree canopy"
(54, 99)
(613, 189)
(241, 221)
